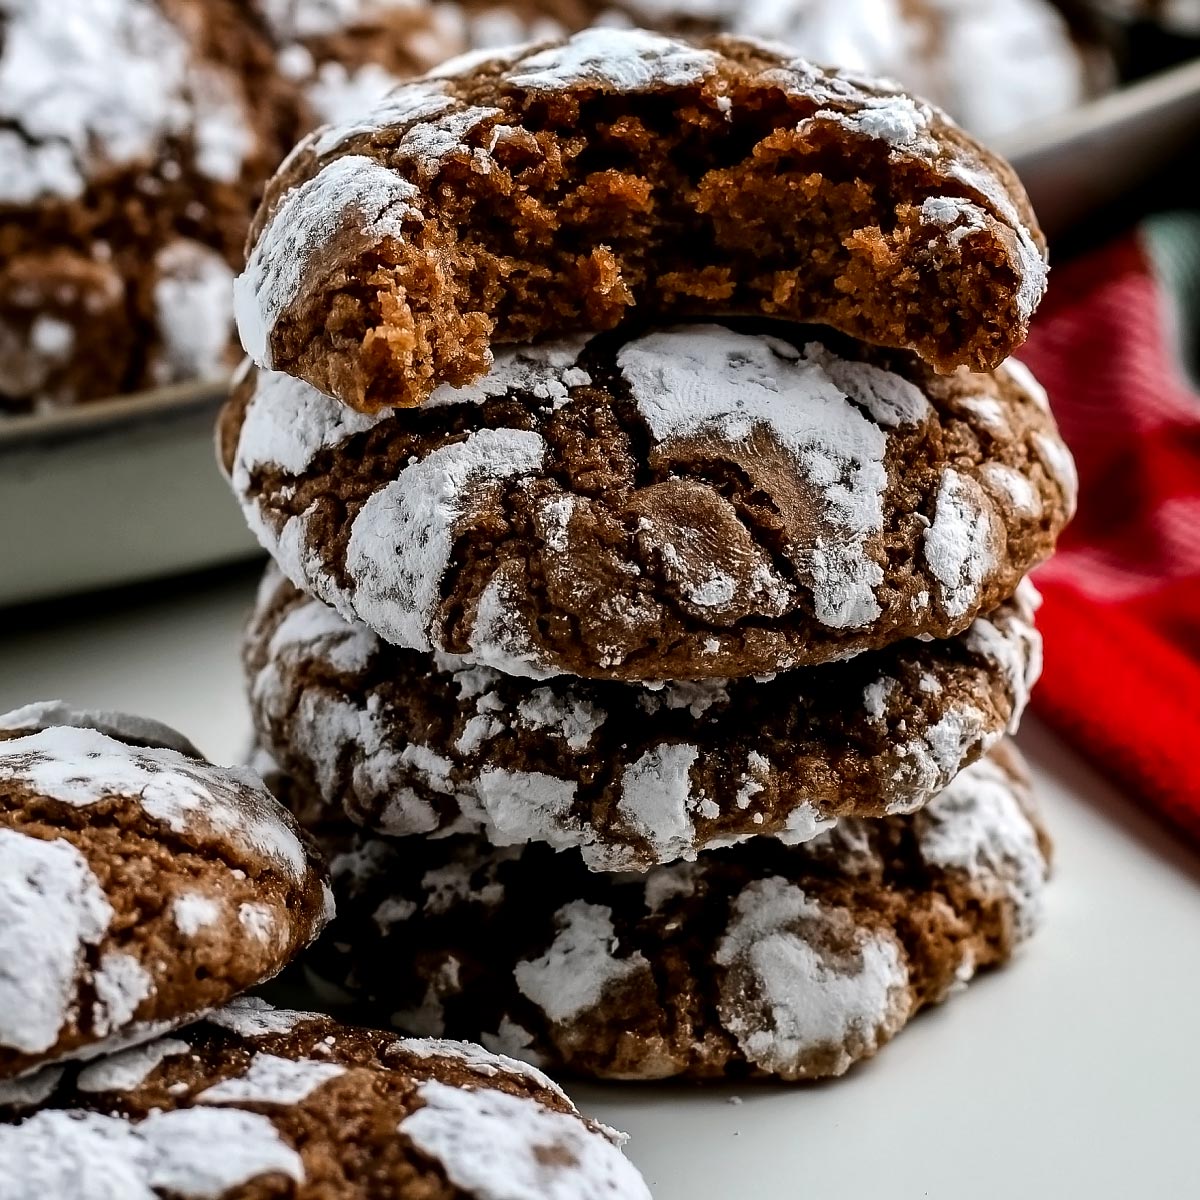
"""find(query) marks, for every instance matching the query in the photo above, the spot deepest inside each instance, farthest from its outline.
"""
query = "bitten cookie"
(134, 136)
(406, 744)
(258, 1102)
(677, 504)
(139, 884)
(545, 190)
(760, 960)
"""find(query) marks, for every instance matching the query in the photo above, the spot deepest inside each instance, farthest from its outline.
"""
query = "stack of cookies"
(633, 425)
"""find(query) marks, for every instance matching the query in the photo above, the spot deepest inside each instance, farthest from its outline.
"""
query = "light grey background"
(1073, 1074)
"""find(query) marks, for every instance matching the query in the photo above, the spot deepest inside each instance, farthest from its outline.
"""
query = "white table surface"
(1073, 1073)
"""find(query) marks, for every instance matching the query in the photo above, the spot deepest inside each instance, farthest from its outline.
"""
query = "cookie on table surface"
(257, 1103)
(681, 503)
(135, 135)
(549, 189)
(139, 884)
(406, 743)
(763, 959)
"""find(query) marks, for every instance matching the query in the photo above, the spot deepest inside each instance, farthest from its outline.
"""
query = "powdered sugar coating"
(51, 909)
(500, 1147)
(845, 1001)
(978, 826)
(251, 1016)
(509, 546)
(90, 86)
(93, 1156)
(128, 1069)
(122, 727)
(666, 773)
(193, 304)
(960, 543)
(790, 961)
(574, 973)
(711, 381)
(81, 767)
(401, 539)
(270, 1079)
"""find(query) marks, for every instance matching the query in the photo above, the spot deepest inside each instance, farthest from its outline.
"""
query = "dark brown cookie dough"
(258, 1103)
(759, 960)
(675, 504)
(545, 190)
(408, 744)
(139, 884)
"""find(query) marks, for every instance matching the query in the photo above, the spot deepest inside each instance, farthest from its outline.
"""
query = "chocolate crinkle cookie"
(764, 959)
(139, 884)
(549, 189)
(258, 1103)
(681, 503)
(134, 135)
(408, 743)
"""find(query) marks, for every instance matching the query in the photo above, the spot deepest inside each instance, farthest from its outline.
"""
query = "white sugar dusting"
(129, 1069)
(788, 993)
(82, 767)
(288, 423)
(121, 983)
(193, 911)
(270, 1079)
(544, 371)
(197, 1153)
(657, 800)
(26, 1091)
(250, 1017)
(977, 825)
(488, 1064)
(529, 806)
(500, 1147)
(353, 193)
(193, 309)
(710, 382)
(580, 966)
(621, 60)
(401, 541)
(958, 544)
(96, 85)
(51, 908)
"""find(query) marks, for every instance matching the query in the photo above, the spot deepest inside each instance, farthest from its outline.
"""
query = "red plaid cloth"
(1122, 612)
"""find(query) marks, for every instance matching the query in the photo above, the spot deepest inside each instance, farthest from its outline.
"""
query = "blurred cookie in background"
(134, 135)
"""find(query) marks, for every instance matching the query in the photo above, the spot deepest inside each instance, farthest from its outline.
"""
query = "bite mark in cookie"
(543, 190)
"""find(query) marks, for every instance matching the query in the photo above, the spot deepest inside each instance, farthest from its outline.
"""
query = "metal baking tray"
(120, 491)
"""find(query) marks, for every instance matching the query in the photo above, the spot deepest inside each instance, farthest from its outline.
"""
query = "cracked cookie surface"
(762, 959)
(674, 504)
(260, 1103)
(139, 884)
(540, 191)
(413, 744)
